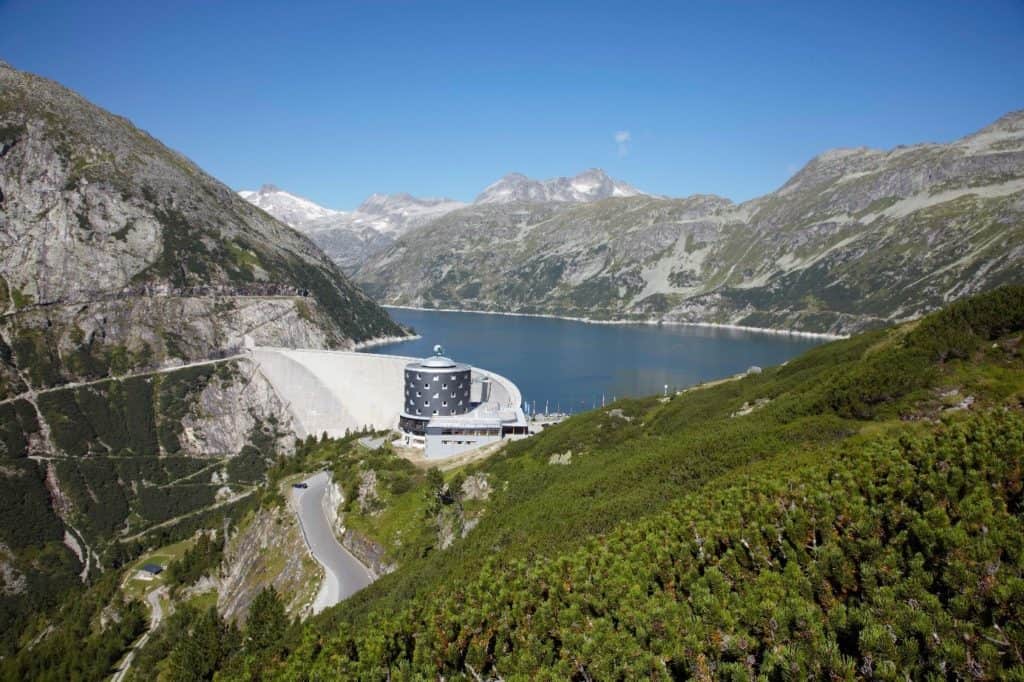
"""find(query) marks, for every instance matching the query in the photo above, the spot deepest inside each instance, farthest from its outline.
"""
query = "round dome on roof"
(438, 361)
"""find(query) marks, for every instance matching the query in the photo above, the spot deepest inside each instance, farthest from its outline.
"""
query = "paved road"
(156, 615)
(344, 575)
(33, 393)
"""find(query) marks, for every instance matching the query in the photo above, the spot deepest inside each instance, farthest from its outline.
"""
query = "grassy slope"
(838, 401)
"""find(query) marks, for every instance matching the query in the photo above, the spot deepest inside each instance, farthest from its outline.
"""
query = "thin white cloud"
(622, 140)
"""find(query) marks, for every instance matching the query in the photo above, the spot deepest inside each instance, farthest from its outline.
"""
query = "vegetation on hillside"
(897, 556)
(86, 638)
(860, 521)
(854, 513)
(122, 482)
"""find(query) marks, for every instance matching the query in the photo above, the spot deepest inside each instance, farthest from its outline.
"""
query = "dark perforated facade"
(436, 391)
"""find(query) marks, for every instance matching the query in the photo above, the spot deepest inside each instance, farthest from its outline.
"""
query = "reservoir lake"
(572, 364)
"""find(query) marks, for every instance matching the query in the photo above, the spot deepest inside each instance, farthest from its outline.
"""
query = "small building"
(149, 572)
(450, 407)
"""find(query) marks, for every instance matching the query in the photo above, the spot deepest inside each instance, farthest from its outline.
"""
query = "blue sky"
(337, 100)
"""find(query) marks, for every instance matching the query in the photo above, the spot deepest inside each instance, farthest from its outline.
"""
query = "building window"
(437, 378)
(453, 395)
(418, 376)
(426, 403)
(418, 412)
(444, 386)
(435, 412)
(426, 386)
(444, 403)
(418, 394)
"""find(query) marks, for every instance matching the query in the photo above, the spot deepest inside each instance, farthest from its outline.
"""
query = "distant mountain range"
(856, 238)
(353, 237)
(590, 185)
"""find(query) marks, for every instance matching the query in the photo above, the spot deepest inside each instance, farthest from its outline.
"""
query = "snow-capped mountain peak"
(289, 208)
(401, 209)
(590, 185)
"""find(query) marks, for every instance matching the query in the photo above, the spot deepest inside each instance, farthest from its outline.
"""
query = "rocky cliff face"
(117, 249)
(268, 550)
(92, 474)
(855, 239)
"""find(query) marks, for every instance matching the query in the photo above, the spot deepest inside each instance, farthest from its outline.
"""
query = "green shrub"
(161, 504)
(900, 557)
(139, 416)
(248, 466)
(28, 518)
(959, 329)
(197, 561)
(69, 428)
(17, 423)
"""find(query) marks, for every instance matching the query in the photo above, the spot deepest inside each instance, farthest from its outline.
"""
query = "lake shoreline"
(650, 323)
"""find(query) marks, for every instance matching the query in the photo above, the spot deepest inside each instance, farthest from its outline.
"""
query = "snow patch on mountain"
(590, 185)
(290, 209)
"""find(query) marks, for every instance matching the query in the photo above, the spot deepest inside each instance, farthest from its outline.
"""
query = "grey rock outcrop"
(112, 244)
(224, 416)
(267, 551)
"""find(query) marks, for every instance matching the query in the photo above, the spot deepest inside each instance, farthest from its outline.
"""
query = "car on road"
(301, 486)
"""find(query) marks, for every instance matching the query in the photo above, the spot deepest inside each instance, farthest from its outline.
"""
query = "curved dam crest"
(331, 391)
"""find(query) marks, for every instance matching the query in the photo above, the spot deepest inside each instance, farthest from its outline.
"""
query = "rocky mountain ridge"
(592, 184)
(118, 253)
(856, 238)
(351, 238)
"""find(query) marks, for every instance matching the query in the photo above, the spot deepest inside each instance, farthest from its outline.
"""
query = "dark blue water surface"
(571, 364)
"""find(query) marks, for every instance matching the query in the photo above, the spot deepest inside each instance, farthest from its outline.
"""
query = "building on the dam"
(450, 407)
(442, 406)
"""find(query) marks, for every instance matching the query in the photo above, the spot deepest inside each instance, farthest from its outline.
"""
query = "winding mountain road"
(344, 575)
(156, 616)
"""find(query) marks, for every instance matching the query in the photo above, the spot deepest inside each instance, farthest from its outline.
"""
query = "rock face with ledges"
(857, 238)
(113, 245)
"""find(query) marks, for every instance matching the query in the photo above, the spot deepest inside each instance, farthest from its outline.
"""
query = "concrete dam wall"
(337, 390)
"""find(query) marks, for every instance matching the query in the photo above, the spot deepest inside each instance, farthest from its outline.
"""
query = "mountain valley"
(853, 512)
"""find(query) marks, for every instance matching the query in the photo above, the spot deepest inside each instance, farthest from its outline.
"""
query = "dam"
(334, 392)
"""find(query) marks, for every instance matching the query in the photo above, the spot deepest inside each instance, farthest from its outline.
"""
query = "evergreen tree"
(203, 650)
(265, 629)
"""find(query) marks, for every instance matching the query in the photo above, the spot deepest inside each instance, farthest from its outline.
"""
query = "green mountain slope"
(856, 239)
(855, 512)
